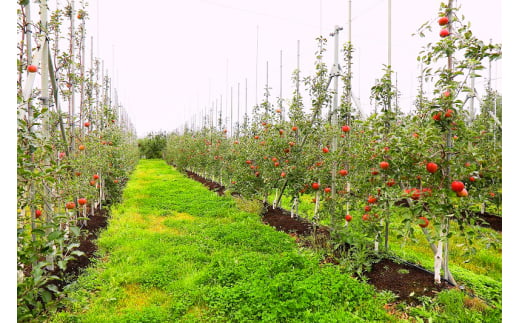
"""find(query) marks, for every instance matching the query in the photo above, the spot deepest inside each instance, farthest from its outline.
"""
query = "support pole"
(334, 119)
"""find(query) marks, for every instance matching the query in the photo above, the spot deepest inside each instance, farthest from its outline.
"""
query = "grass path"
(176, 252)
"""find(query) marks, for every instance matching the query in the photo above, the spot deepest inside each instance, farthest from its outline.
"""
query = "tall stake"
(298, 69)
(82, 73)
(238, 111)
(280, 99)
(334, 120)
(71, 81)
(256, 74)
(45, 105)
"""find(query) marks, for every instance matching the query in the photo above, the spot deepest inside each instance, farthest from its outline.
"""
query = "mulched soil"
(94, 225)
(213, 186)
(407, 281)
(485, 219)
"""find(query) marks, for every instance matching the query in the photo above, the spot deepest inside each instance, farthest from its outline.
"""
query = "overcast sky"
(171, 59)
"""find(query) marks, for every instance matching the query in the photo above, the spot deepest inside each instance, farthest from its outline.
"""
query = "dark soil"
(94, 225)
(407, 281)
(485, 219)
(281, 220)
(213, 186)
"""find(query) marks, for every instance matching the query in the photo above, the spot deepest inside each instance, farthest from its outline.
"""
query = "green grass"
(481, 272)
(176, 252)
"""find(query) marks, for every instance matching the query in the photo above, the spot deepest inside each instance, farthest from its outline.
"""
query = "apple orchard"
(376, 182)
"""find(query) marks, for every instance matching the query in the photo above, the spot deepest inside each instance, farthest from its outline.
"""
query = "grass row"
(176, 252)
(480, 271)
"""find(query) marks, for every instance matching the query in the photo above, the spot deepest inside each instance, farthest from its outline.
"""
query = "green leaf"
(52, 288)
(77, 253)
(75, 231)
(62, 264)
(55, 235)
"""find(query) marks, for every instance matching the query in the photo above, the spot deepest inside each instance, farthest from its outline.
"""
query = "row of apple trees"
(442, 160)
(76, 148)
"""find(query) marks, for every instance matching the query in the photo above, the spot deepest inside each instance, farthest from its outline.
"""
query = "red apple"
(345, 128)
(92, 182)
(38, 213)
(249, 162)
(449, 113)
(384, 165)
(348, 217)
(371, 199)
(424, 223)
(283, 174)
(82, 201)
(462, 193)
(432, 167)
(276, 164)
(315, 186)
(343, 172)
(390, 183)
(366, 217)
(457, 186)
(327, 189)
(444, 33)
(70, 205)
(116, 181)
(446, 94)
(443, 21)
(87, 124)
(294, 128)
(95, 176)
(81, 147)
(32, 68)
(325, 149)
(368, 208)
(257, 137)
(280, 132)
(437, 116)
(472, 178)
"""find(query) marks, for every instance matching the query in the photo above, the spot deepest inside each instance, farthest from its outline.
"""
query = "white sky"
(171, 59)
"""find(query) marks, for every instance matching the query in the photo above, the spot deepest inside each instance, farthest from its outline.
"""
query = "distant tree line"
(152, 145)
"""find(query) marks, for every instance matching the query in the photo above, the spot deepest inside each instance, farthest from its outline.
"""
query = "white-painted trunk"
(317, 205)
(438, 263)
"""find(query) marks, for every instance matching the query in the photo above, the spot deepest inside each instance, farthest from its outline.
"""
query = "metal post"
(298, 70)
(280, 99)
(334, 117)
(256, 74)
(71, 72)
